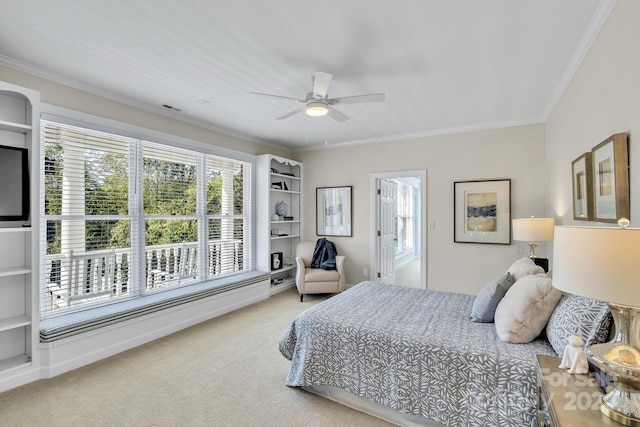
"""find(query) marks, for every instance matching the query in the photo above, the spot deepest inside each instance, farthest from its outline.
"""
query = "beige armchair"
(315, 280)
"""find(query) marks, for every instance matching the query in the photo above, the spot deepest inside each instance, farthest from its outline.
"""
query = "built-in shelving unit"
(279, 185)
(19, 312)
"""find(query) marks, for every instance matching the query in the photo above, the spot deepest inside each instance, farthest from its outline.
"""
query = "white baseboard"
(280, 288)
(18, 377)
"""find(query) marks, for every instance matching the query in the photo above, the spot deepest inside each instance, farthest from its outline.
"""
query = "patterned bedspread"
(416, 352)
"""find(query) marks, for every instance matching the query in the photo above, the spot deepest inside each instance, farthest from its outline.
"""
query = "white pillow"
(524, 267)
(525, 309)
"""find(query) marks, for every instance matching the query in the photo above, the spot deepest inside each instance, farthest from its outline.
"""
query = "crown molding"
(593, 29)
(31, 69)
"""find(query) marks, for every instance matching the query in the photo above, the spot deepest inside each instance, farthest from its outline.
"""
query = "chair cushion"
(319, 275)
(304, 250)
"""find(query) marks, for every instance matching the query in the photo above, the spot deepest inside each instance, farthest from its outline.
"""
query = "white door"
(388, 230)
(408, 268)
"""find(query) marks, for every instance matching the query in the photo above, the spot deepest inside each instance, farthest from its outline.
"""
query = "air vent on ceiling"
(171, 107)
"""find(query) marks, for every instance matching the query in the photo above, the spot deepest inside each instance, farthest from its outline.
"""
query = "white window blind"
(171, 222)
(124, 217)
(228, 210)
(86, 220)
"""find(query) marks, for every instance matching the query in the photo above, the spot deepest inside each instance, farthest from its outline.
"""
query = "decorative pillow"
(484, 306)
(524, 267)
(588, 318)
(525, 309)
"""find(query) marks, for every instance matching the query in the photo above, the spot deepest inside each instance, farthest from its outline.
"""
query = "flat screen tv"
(14, 184)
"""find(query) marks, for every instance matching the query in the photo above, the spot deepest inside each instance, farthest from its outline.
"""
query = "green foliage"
(53, 164)
(169, 188)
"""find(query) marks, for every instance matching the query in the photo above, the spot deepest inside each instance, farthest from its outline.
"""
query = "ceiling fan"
(318, 103)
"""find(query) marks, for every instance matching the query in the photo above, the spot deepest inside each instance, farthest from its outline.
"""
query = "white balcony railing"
(75, 278)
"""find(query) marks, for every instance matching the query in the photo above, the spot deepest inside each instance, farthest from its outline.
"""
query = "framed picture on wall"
(610, 161)
(482, 211)
(333, 211)
(582, 183)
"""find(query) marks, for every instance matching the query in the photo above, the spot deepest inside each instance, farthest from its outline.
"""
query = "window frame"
(136, 215)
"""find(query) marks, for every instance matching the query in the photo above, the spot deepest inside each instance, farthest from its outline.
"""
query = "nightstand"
(566, 400)
(542, 262)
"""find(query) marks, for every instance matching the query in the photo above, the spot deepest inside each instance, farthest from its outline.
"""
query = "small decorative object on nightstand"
(574, 359)
(566, 400)
(602, 263)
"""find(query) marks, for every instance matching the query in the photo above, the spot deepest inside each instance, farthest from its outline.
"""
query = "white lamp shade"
(533, 229)
(598, 262)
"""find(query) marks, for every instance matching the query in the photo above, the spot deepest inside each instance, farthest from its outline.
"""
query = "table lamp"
(603, 263)
(534, 230)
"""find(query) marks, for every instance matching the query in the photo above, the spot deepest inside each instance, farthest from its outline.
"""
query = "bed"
(413, 357)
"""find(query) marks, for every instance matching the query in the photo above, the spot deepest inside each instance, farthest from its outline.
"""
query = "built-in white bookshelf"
(19, 311)
(279, 229)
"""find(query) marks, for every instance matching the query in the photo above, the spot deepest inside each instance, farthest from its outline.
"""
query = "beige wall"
(516, 153)
(602, 99)
(74, 99)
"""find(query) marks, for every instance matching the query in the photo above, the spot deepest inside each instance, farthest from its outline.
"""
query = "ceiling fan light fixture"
(316, 109)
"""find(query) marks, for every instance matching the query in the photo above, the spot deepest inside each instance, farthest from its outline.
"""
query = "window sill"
(66, 325)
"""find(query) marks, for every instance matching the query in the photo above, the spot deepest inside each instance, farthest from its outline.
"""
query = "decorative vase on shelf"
(282, 208)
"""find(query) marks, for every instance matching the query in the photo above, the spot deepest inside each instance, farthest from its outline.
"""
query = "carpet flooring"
(223, 372)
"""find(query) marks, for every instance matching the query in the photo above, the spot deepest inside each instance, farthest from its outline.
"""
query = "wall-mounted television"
(14, 184)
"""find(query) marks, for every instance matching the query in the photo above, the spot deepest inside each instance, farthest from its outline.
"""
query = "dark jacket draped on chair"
(324, 255)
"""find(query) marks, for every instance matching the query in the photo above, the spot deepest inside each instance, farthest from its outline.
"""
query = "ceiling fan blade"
(292, 113)
(277, 96)
(337, 115)
(358, 99)
(321, 82)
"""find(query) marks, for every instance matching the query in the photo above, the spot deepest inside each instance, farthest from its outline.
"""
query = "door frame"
(374, 262)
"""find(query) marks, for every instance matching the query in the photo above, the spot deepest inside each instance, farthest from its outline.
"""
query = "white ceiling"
(444, 65)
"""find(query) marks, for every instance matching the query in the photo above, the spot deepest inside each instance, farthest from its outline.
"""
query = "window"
(227, 211)
(125, 217)
(406, 220)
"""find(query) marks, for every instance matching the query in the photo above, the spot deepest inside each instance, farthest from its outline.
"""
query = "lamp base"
(622, 405)
(620, 358)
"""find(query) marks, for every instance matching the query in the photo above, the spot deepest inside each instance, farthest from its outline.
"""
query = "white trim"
(71, 353)
(421, 175)
(593, 29)
(77, 118)
(142, 137)
(423, 134)
(33, 70)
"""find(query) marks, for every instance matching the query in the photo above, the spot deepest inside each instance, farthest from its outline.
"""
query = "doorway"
(398, 228)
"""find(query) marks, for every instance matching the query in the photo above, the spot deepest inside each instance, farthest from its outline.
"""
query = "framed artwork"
(333, 211)
(276, 261)
(582, 183)
(482, 211)
(610, 161)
